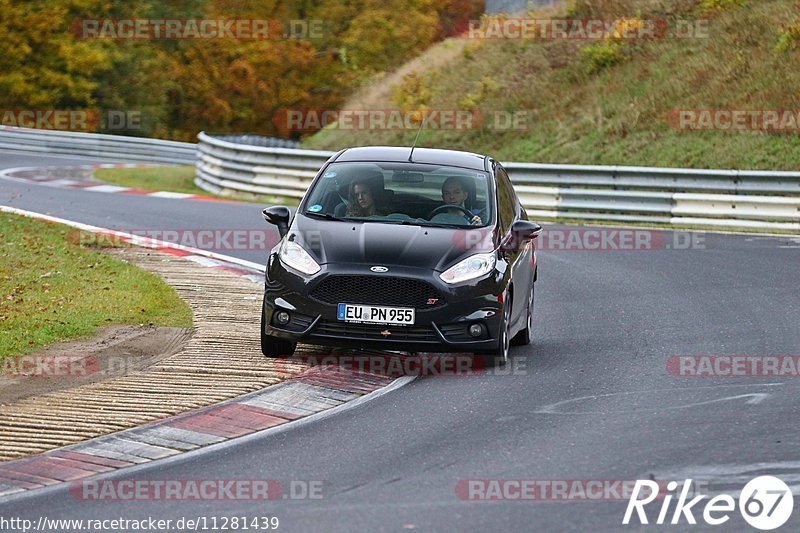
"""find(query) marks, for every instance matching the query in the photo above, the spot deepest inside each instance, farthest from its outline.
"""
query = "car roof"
(434, 156)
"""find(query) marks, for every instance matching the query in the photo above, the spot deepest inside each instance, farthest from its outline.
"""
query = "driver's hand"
(476, 221)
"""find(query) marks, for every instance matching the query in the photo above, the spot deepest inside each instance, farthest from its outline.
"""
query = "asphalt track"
(606, 324)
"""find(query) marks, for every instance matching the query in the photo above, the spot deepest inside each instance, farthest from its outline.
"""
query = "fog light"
(476, 330)
(282, 318)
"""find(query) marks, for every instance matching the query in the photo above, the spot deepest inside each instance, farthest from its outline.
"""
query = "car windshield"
(402, 193)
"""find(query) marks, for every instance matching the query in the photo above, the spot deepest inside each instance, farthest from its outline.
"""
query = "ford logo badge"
(379, 269)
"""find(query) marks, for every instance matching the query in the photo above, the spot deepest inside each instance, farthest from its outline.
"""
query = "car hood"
(376, 243)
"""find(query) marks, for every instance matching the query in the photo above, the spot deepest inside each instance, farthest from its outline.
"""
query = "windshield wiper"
(443, 225)
(326, 216)
(401, 221)
(428, 224)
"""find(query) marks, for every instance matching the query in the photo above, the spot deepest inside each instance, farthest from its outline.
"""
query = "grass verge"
(175, 179)
(52, 289)
(581, 105)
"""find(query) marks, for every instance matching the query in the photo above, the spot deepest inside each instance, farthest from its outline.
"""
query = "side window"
(507, 208)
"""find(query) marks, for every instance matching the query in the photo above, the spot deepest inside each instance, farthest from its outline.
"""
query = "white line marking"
(63, 182)
(105, 188)
(755, 398)
(205, 261)
(167, 194)
(136, 239)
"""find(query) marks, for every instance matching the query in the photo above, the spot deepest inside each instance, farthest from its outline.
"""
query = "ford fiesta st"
(416, 250)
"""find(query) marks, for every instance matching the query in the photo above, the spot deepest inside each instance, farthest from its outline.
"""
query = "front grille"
(335, 328)
(377, 290)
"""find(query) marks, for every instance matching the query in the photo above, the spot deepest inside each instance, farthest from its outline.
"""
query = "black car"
(415, 250)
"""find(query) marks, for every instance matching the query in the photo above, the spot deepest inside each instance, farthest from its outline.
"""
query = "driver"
(454, 192)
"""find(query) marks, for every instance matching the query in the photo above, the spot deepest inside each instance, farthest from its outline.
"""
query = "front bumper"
(441, 328)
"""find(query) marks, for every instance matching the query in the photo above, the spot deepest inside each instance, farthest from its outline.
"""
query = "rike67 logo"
(765, 503)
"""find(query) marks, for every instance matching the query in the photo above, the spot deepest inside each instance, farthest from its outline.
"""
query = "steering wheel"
(447, 207)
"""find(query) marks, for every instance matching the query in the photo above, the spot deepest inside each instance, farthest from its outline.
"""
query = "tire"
(499, 356)
(525, 336)
(274, 347)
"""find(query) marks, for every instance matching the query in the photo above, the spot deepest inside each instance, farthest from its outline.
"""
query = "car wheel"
(525, 336)
(499, 356)
(273, 346)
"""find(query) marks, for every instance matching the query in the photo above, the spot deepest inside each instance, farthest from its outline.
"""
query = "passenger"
(364, 197)
(454, 192)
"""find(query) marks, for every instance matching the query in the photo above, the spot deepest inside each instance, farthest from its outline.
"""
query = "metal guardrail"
(253, 139)
(224, 166)
(678, 197)
(252, 164)
(96, 145)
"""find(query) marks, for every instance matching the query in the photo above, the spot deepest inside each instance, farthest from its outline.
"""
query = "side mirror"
(525, 229)
(278, 215)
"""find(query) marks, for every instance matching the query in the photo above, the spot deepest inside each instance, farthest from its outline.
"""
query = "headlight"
(293, 255)
(472, 267)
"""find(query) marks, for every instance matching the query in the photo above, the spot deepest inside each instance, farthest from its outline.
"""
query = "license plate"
(373, 314)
